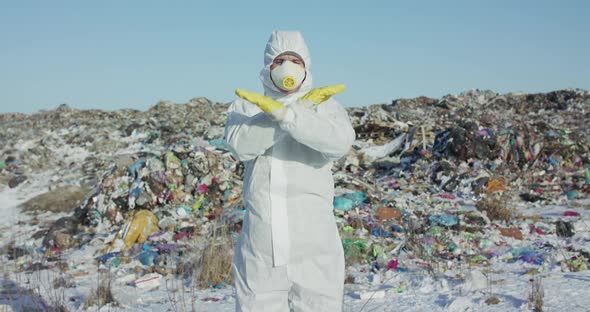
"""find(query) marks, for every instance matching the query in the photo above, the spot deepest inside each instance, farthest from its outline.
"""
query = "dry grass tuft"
(349, 279)
(215, 262)
(102, 295)
(535, 217)
(495, 207)
(215, 265)
(492, 300)
(357, 222)
(536, 294)
(413, 244)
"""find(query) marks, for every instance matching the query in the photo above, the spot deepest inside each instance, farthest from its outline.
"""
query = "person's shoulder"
(238, 104)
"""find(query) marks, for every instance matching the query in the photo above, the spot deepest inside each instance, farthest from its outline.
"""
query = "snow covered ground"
(409, 288)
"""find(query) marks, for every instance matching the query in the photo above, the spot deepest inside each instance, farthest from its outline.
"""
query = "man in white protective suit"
(289, 255)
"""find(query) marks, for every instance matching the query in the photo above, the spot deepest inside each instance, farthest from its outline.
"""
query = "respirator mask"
(288, 76)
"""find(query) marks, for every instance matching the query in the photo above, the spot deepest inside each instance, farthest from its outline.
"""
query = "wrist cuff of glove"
(278, 114)
(307, 103)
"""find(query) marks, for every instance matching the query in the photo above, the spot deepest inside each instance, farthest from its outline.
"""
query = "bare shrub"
(210, 265)
(215, 264)
(103, 294)
(496, 207)
(536, 294)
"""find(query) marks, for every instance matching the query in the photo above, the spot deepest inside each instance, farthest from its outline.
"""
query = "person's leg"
(267, 300)
(317, 284)
(316, 263)
(261, 291)
(258, 285)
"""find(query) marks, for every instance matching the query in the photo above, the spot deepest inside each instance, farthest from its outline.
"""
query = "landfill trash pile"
(438, 188)
(90, 140)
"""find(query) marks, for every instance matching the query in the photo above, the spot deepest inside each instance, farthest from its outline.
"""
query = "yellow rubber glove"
(266, 104)
(320, 95)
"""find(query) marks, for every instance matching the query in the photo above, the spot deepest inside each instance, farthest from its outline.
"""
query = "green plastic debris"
(469, 236)
(199, 202)
(484, 243)
(576, 265)
(172, 162)
(2, 164)
(434, 231)
(477, 259)
(350, 244)
(377, 251)
(186, 208)
(354, 250)
(115, 262)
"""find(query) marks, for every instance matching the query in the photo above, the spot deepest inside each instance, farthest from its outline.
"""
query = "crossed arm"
(325, 128)
(249, 132)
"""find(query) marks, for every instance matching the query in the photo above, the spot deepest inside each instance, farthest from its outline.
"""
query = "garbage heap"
(73, 142)
(429, 184)
(467, 179)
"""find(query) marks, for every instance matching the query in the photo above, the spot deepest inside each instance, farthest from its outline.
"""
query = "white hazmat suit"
(289, 255)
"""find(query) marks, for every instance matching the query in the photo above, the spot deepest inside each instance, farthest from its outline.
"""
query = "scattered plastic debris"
(465, 180)
(148, 281)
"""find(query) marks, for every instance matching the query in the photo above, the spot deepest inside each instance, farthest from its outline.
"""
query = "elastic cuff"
(279, 114)
(306, 103)
(288, 117)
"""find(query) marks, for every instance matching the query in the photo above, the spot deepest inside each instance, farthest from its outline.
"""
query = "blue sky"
(131, 54)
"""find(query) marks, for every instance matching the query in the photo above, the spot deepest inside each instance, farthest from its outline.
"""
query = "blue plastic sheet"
(147, 257)
(107, 256)
(443, 219)
(357, 197)
(219, 144)
(343, 203)
(378, 232)
(348, 201)
(528, 255)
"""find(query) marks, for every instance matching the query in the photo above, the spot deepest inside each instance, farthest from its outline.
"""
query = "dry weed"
(215, 264)
(536, 294)
(496, 207)
(103, 294)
